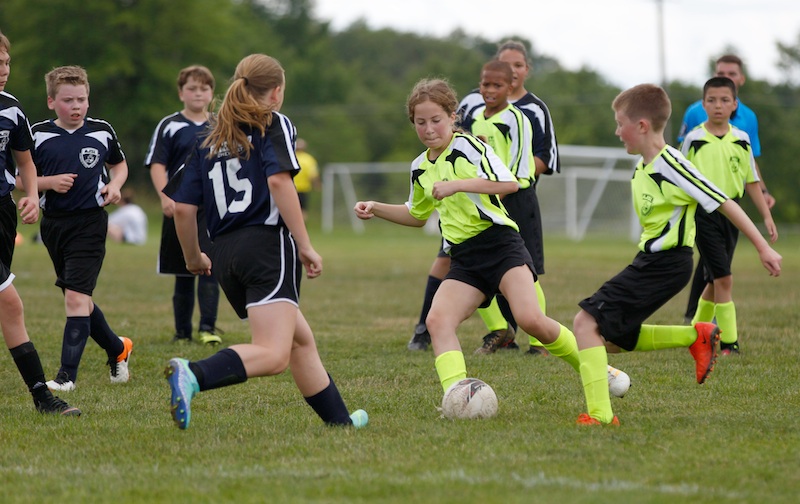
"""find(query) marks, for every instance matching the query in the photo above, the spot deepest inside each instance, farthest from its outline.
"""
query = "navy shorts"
(170, 254)
(484, 259)
(716, 241)
(77, 246)
(8, 229)
(622, 304)
(257, 265)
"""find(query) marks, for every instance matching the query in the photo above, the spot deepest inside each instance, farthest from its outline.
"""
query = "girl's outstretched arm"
(398, 214)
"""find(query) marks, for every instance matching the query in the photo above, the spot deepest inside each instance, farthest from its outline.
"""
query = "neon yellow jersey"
(510, 134)
(462, 215)
(665, 194)
(728, 162)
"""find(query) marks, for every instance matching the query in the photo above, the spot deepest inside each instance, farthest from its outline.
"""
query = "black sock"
(430, 290)
(76, 333)
(222, 369)
(329, 405)
(30, 367)
(102, 334)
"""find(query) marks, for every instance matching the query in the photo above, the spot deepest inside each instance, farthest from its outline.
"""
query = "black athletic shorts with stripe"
(77, 246)
(257, 265)
(622, 304)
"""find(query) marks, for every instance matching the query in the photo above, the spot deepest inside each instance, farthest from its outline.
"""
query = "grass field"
(734, 439)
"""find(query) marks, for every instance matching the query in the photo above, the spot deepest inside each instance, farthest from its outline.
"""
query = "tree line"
(345, 90)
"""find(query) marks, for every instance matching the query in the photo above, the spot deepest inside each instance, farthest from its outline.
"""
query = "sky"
(620, 39)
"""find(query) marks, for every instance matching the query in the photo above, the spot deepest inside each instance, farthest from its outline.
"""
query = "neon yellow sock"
(450, 367)
(657, 337)
(543, 305)
(594, 376)
(493, 317)
(726, 320)
(705, 311)
(566, 347)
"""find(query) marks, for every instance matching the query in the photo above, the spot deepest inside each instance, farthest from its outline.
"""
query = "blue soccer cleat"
(184, 387)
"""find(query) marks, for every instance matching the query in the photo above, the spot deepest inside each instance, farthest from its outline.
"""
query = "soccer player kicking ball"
(666, 190)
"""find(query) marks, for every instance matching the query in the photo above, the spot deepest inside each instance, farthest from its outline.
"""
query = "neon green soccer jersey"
(665, 194)
(462, 215)
(728, 162)
(510, 134)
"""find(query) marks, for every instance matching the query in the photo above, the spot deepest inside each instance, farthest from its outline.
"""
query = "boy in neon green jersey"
(666, 190)
(722, 153)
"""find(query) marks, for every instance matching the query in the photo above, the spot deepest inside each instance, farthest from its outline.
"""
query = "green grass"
(734, 439)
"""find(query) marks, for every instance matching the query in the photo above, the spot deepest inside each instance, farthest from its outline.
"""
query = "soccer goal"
(591, 195)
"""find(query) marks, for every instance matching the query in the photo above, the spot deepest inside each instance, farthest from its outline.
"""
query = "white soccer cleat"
(119, 367)
(62, 383)
(618, 382)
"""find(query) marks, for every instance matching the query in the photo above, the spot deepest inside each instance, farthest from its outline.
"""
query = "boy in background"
(172, 141)
(666, 190)
(16, 142)
(81, 170)
(723, 154)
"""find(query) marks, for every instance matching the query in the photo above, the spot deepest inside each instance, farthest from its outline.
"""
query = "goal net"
(591, 195)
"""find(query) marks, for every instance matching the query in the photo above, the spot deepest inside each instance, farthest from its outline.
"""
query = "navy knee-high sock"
(183, 306)
(30, 367)
(329, 405)
(222, 369)
(430, 290)
(76, 333)
(208, 302)
(102, 334)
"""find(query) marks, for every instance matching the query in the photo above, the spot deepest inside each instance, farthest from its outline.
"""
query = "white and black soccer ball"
(469, 398)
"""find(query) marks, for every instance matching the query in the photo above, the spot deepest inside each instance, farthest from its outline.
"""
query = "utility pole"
(662, 63)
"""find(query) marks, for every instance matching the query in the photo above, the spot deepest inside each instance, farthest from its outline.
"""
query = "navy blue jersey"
(234, 190)
(15, 134)
(85, 151)
(173, 139)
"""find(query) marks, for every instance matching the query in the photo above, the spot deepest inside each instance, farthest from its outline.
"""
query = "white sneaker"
(618, 382)
(62, 383)
(119, 367)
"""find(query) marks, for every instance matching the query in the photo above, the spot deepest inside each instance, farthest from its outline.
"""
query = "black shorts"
(623, 303)
(257, 265)
(6, 277)
(77, 246)
(483, 260)
(170, 254)
(8, 229)
(523, 207)
(716, 241)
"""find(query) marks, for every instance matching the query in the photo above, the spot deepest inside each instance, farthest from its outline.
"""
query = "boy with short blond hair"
(666, 190)
(15, 149)
(723, 153)
(81, 170)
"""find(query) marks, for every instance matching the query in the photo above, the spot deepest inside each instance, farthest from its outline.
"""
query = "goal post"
(591, 195)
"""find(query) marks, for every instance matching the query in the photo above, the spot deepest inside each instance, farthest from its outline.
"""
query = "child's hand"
(441, 190)
(363, 210)
(111, 194)
(201, 267)
(771, 260)
(29, 209)
(312, 262)
(167, 206)
(63, 182)
(772, 230)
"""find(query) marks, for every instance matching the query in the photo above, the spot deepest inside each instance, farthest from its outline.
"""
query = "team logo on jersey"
(734, 163)
(4, 139)
(647, 204)
(89, 157)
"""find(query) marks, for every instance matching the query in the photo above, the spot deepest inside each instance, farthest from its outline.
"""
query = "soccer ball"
(469, 398)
